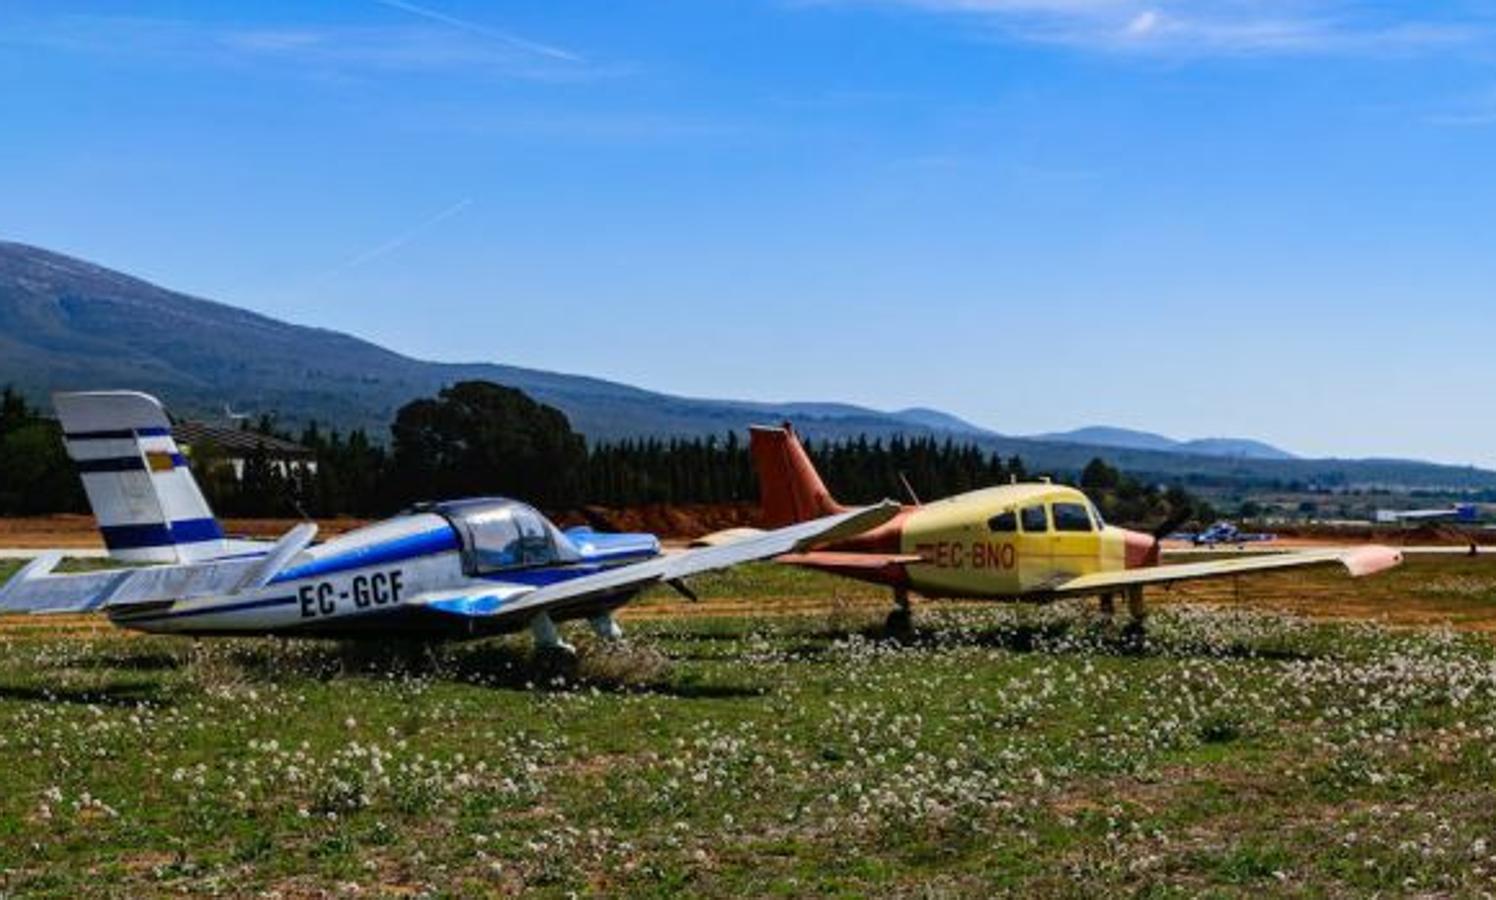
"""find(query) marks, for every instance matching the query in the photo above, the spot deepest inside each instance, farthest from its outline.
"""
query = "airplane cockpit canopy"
(499, 534)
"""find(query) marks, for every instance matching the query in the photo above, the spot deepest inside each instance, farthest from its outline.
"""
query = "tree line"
(477, 438)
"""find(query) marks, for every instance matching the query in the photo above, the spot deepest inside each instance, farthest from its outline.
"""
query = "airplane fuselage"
(1007, 542)
(361, 582)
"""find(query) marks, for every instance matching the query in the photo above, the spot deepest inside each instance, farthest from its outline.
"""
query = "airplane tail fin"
(790, 489)
(147, 504)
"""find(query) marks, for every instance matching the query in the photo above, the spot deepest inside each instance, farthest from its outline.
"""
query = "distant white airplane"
(461, 569)
(1459, 512)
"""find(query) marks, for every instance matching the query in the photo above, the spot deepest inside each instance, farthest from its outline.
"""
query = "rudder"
(790, 489)
(148, 506)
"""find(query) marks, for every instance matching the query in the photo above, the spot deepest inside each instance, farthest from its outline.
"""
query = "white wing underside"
(1358, 562)
(624, 579)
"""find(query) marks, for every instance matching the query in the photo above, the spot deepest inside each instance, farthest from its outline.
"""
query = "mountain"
(69, 324)
(1128, 439)
(940, 421)
(1235, 448)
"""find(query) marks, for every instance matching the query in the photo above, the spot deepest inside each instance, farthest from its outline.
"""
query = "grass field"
(728, 749)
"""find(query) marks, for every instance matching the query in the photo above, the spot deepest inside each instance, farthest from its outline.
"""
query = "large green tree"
(478, 438)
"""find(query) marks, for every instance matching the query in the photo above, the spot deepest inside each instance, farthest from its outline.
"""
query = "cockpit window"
(535, 547)
(1071, 517)
(1096, 514)
(1035, 521)
(1003, 523)
(507, 537)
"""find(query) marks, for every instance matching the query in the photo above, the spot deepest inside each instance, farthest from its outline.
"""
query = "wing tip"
(1370, 560)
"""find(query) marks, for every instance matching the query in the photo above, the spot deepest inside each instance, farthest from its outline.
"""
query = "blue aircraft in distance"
(461, 569)
(1222, 533)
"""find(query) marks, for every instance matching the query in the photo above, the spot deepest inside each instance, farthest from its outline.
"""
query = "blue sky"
(1271, 218)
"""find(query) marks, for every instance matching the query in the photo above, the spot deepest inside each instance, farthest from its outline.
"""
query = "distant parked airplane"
(1221, 533)
(1013, 542)
(460, 569)
(1459, 512)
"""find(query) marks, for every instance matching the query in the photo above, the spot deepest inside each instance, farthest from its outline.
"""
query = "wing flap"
(1358, 562)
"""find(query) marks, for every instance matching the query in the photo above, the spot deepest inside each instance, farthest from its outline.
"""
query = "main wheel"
(900, 623)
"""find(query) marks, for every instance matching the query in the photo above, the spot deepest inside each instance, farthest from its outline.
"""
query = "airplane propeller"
(1168, 527)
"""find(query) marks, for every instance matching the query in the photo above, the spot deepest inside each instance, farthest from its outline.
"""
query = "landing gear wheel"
(900, 624)
(556, 662)
(1135, 634)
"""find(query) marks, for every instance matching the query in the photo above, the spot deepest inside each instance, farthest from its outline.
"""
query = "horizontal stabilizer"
(35, 590)
(725, 536)
(291, 544)
(821, 559)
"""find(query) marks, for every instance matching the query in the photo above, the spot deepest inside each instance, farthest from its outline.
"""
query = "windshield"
(505, 535)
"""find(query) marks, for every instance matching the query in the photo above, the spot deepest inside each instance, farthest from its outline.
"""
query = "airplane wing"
(623, 579)
(1358, 562)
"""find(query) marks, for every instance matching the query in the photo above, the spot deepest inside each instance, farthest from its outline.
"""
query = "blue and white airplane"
(461, 569)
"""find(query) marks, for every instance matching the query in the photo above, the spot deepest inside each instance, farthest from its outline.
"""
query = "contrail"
(406, 237)
(382, 249)
(484, 30)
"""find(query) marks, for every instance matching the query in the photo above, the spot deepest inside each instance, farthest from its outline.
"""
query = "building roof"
(236, 441)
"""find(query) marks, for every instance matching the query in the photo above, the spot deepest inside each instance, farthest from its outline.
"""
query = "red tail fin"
(788, 487)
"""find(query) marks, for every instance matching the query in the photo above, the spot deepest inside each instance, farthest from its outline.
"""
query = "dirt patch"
(75, 532)
(675, 522)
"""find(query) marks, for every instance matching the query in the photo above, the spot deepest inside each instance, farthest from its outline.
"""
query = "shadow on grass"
(131, 662)
(1055, 637)
(630, 669)
(120, 695)
(499, 664)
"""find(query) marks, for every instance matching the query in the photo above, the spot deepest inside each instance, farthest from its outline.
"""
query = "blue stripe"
(210, 610)
(112, 464)
(191, 531)
(623, 555)
(117, 434)
(426, 543)
(540, 576)
(483, 605)
(160, 534)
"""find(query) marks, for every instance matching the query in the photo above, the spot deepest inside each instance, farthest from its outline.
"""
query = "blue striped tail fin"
(148, 506)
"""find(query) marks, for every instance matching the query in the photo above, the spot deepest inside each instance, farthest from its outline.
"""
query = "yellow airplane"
(1036, 542)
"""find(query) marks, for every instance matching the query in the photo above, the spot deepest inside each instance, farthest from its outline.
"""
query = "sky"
(1263, 218)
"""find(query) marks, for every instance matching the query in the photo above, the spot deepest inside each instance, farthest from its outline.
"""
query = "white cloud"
(438, 44)
(1203, 27)
(1143, 24)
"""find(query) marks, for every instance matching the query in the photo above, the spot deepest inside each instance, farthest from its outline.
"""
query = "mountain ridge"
(1133, 439)
(66, 323)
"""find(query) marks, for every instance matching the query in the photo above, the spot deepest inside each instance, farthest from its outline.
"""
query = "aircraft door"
(1035, 547)
(1075, 547)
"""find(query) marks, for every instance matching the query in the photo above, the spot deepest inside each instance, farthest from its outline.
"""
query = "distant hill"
(69, 324)
(1128, 439)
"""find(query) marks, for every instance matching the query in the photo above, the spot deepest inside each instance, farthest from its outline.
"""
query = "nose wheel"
(1135, 631)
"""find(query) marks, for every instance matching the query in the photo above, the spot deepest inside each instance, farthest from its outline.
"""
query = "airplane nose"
(1142, 550)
